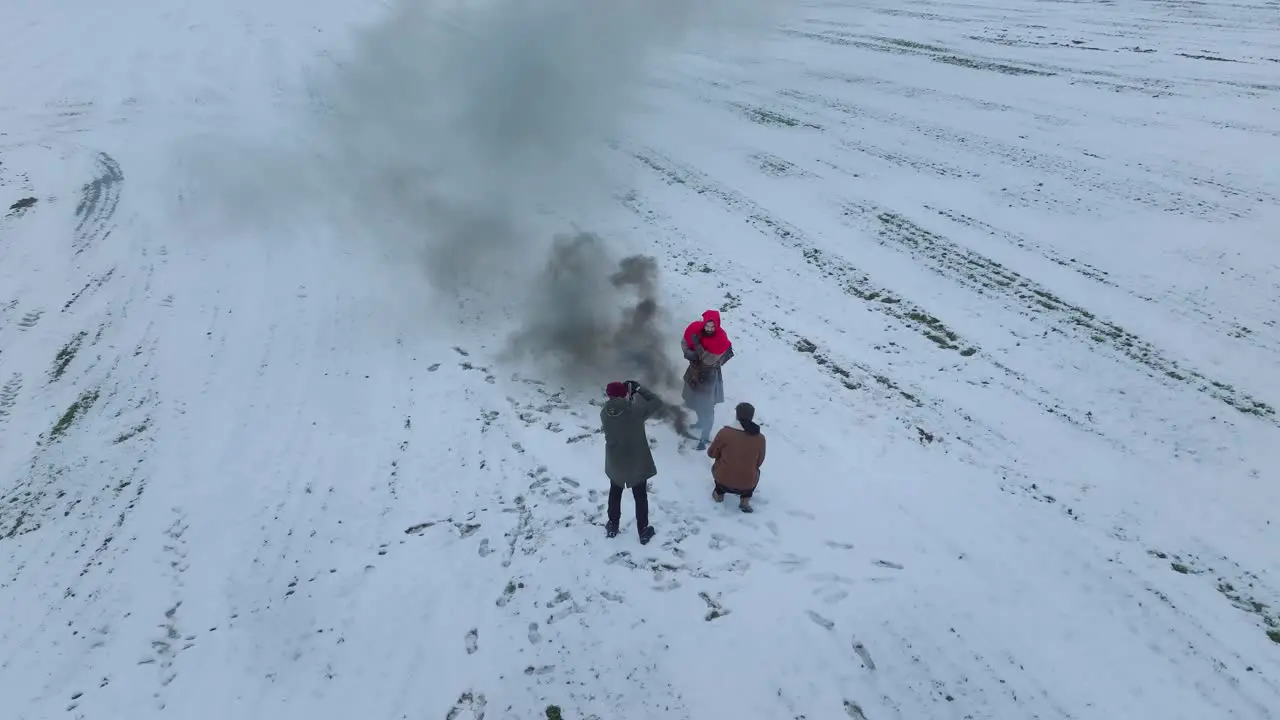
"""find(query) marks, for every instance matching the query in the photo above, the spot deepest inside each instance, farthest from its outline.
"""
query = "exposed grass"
(553, 712)
(830, 265)
(75, 411)
(133, 432)
(988, 277)
(64, 357)
(22, 206)
(1241, 598)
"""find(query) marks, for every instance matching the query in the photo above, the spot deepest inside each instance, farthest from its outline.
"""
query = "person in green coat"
(628, 462)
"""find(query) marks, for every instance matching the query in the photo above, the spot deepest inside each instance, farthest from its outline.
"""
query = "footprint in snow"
(508, 592)
(861, 651)
(829, 577)
(828, 624)
(853, 710)
(472, 641)
(470, 703)
(720, 541)
(791, 562)
(887, 564)
(29, 320)
(714, 608)
(831, 596)
(535, 637)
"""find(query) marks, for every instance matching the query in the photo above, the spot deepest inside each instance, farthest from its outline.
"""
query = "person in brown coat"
(738, 455)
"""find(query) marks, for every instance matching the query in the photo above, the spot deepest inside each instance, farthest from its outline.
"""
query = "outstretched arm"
(648, 402)
(728, 355)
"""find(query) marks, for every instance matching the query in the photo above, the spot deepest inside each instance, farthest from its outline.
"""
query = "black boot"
(611, 528)
(646, 534)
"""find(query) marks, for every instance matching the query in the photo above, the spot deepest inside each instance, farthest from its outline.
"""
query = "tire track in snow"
(1242, 198)
(99, 199)
(869, 383)
(1084, 181)
(908, 47)
(66, 519)
(1041, 28)
(931, 651)
(85, 400)
(1176, 302)
(921, 415)
(853, 281)
(985, 276)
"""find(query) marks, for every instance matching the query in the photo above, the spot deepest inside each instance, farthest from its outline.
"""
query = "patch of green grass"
(66, 355)
(75, 411)
(1179, 567)
(133, 432)
(1274, 635)
(553, 712)
(22, 206)
(938, 333)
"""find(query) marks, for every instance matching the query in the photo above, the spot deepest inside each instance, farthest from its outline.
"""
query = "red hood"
(717, 343)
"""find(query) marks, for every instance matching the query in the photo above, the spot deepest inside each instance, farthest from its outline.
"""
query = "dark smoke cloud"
(593, 320)
(466, 121)
(456, 126)
(461, 136)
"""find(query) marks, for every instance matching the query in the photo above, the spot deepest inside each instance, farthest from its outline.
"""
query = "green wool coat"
(628, 460)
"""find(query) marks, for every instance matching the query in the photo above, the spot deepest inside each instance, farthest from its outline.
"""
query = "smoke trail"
(449, 133)
(455, 126)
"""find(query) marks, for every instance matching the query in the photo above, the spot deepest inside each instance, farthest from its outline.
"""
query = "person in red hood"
(707, 348)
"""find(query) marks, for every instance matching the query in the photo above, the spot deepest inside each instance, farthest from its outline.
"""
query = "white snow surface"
(1003, 281)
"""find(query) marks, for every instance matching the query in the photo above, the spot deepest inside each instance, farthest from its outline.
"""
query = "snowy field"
(1002, 277)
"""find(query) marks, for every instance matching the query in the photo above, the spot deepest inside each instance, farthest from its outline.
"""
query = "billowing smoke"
(469, 131)
(470, 126)
(460, 136)
(593, 320)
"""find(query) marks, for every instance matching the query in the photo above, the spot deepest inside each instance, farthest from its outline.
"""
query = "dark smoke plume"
(459, 127)
(592, 320)
(456, 138)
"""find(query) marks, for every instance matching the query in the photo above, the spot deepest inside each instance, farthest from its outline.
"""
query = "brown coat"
(738, 457)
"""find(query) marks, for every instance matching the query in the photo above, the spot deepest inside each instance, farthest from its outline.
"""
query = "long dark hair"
(746, 412)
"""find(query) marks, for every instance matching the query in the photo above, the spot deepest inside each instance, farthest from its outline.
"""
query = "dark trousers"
(640, 492)
(721, 490)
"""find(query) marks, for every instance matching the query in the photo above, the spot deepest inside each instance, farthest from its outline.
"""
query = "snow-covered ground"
(1003, 283)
